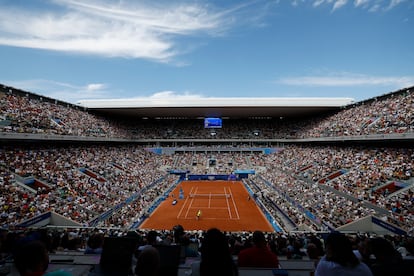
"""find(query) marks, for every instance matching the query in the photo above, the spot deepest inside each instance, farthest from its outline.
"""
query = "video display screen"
(212, 123)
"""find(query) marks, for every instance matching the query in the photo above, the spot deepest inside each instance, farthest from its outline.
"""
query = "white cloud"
(347, 79)
(131, 29)
(95, 86)
(339, 4)
(297, 2)
(173, 95)
(394, 3)
(63, 91)
(370, 5)
(360, 3)
(73, 93)
(374, 8)
(318, 3)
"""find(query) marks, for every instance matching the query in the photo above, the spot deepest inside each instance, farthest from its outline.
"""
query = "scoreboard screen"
(212, 123)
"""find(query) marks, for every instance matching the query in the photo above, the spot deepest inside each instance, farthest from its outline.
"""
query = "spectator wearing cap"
(258, 255)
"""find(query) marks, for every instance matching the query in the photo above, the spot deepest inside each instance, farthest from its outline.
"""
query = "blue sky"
(103, 49)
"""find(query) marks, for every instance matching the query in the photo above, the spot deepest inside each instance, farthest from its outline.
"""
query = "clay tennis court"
(222, 204)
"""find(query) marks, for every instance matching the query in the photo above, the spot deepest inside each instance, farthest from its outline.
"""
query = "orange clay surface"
(223, 204)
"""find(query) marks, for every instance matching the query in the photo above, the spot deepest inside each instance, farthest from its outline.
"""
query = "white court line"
(182, 207)
(212, 208)
(227, 201)
(185, 202)
(228, 208)
(217, 219)
(235, 206)
(191, 204)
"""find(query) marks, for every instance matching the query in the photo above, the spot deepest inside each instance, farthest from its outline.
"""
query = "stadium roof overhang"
(216, 107)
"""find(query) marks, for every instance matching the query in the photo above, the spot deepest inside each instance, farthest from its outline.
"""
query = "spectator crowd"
(108, 189)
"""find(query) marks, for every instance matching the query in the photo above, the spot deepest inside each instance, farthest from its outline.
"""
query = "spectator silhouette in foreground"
(216, 258)
(313, 253)
(31, 258)
(150, 240)
(363, 250)
(388, 261)
(94, 244)
(148, 257)
(339, 259)
(182, 238)
(258, 255)
(148, 262)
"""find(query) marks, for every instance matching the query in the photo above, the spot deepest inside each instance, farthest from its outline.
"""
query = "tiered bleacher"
(111, 174)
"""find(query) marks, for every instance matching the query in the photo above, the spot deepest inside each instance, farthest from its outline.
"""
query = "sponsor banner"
(388, 226)
(35, 220)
